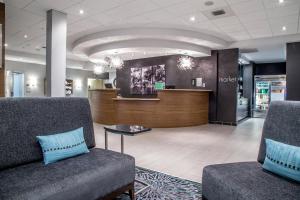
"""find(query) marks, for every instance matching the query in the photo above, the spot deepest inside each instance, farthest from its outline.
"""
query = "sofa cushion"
(22, 119)
(246, 181)
(62, 145)
(283, 159)
(88, 176)
(282, 124)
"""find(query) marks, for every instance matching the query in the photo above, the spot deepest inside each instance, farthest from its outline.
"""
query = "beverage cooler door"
(278, 90)
(262, 98)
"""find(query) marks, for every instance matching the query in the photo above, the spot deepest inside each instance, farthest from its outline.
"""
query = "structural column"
(2, 50)
(56, 53)
(293, 71)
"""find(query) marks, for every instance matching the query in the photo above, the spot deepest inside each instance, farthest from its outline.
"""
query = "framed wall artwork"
(144, 79)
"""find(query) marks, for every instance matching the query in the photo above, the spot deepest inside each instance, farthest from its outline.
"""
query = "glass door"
(268, 88)
(17, 84)
(262, 97)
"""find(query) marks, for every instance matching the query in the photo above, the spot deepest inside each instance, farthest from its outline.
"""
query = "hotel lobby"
(149, 100)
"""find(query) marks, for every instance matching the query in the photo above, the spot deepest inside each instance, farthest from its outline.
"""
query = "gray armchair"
(247, 180)
(100, 174)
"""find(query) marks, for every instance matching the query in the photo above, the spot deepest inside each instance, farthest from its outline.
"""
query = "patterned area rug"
(153, 185)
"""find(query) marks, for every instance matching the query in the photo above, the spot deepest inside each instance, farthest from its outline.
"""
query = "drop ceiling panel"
(252, 17)
(290, 29)
(104, 19)
(248, 7)
(235, 1)
(260, 33)
(102, 5)
(282, 11)
(232, 28)
(208, 25)
(82, 25)
(17, 3)
(243, 35)
(276, 4)
(182, 9)
(165, 3)
(227, 21)
(157, 15)
(200, 5)
(257, 25)
(282, 21)
(132, 9)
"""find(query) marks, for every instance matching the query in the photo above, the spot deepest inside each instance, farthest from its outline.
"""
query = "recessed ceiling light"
(144, 52)
(5, 44)
(284, 28)
(208, 3)
(25, 36)
(281, 1)
(81, 12)
(192, 18)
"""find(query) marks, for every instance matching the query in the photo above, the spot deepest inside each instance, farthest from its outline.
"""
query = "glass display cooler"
(268, 88)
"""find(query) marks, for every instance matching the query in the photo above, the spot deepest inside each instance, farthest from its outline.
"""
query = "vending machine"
(268, 88)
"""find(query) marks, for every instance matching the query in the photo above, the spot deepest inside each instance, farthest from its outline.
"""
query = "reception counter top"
(171, 108)
(135, 99)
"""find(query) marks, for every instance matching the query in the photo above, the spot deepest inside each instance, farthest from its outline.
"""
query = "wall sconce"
(78, 84)
(32, 82)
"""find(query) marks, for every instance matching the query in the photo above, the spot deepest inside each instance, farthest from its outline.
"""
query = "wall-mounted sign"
(198, 82)
(228, 79)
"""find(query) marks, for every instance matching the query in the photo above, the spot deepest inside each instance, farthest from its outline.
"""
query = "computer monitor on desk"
(108, 85)
(170, 87)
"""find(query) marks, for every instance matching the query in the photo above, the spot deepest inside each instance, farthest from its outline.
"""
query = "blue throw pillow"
(63, 145)
(282, 159)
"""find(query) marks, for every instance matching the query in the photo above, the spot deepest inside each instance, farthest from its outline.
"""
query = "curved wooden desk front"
(171, 108)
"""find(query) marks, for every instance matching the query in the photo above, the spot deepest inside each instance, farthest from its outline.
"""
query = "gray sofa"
(247, 180)
(100, 174)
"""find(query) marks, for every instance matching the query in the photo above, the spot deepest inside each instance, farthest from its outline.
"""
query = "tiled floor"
(183, 152)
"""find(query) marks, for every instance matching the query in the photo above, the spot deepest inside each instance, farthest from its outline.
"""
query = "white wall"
(31, 71)
(79, 77)
(38, 72)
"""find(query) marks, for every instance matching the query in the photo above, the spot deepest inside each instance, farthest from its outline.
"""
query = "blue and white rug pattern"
(153, 185)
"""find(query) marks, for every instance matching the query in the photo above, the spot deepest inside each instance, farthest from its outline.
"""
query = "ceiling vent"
(218, 12)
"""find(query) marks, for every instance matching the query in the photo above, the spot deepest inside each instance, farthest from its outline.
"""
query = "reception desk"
(171, 108)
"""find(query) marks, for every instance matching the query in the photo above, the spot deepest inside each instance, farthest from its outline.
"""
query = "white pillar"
(56, 53)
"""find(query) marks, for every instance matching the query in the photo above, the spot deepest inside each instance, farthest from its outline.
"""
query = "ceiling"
(246, 20)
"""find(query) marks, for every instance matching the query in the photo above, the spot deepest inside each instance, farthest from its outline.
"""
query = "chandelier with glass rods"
(185, 63)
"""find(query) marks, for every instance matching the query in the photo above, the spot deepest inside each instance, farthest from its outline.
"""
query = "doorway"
(17, 87)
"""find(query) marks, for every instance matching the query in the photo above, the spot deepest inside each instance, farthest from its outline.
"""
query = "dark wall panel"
(293, 71)
(270, 68)
(207, 70)
(227, 85)
(248, 84)
(2, 64)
